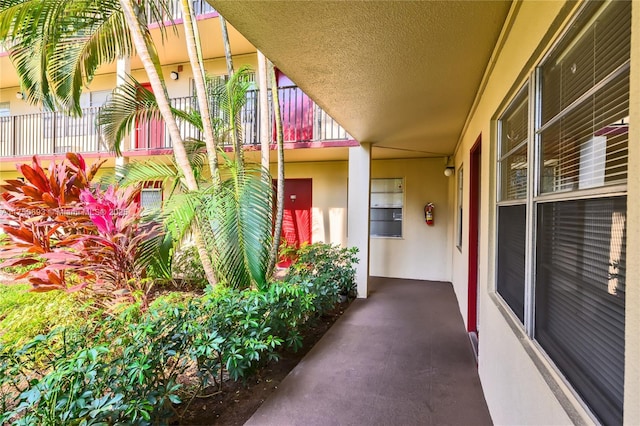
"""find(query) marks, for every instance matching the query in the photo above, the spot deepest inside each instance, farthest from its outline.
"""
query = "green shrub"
(187, 268)
(129, 367)
(327, 270)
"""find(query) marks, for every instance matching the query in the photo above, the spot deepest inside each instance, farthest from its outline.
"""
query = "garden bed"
(237, 403)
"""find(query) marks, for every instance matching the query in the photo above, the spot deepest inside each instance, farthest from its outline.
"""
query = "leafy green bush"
(327, 270)
(187, 268)
(129, 368)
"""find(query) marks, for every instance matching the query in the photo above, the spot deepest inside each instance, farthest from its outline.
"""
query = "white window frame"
(389, 200)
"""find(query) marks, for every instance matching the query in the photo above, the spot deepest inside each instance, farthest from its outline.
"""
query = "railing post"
(14, 134)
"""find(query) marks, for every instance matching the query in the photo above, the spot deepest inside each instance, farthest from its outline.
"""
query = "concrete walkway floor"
(400, 357)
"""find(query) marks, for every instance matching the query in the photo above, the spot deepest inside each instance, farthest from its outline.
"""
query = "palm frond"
(98, 35)
(58, 45)
(240, 215)
(148, 171)
(133, 103)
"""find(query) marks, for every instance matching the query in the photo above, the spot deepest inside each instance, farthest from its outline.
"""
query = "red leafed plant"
(63, 223)
(115, 250)
(40, 212)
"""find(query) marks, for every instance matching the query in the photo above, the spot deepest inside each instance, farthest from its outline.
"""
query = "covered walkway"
(400, 357)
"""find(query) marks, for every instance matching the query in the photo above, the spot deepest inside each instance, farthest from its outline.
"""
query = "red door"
(149, 135)
(474, 221)
(296, 109)
(296, 223)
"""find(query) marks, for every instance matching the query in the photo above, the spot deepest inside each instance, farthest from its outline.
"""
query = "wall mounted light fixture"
(19, 95)
(448, 168)
(448, 171)
(174, 75)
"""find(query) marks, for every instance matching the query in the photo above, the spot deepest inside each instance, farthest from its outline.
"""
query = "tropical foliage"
(58, 45)
(130, 368)
(232, 216)
(72, 233)
(40, 214)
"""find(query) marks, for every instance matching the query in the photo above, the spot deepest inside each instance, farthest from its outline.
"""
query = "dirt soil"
(239, 401)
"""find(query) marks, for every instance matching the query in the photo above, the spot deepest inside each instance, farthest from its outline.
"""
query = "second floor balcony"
(51, 133)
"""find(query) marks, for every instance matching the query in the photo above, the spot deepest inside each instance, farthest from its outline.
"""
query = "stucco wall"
(422, 252)
(329, 198)
(520, 386)
(176, 88)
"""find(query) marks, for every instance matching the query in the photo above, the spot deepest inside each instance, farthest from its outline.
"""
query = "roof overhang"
(401, 75)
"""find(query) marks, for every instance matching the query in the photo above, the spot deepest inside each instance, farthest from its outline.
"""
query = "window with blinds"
(512, 212)
(580, 237)
(580, 296)
(585, 105)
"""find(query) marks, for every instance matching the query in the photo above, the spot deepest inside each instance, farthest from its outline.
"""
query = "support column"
(263, 108)
(358, 211)
(123, 70)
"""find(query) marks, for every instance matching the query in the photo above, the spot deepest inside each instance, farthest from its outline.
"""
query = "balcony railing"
(173, 10)
(55, 133)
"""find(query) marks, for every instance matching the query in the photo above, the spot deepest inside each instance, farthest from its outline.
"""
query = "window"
(581, 237)
(561, 234)
(512, 212)
(387, 200)
(460, 209)
(151, 197)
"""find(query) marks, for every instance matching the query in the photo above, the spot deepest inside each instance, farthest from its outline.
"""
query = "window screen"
(585, 105)
(580, 296)
(513, 149)
(513, 168)
(151, 199)
(581, 243)
(511, 255)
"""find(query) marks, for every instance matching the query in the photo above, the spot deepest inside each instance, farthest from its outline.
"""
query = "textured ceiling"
(399, 74)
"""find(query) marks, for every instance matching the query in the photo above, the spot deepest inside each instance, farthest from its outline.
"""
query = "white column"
(358, 211)
(263, 107)
(632, 308)
(123, 70)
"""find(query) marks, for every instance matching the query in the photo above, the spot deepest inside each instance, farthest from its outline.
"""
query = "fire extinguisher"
(428, 213)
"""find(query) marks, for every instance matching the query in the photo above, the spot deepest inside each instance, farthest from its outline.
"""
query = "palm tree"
(234, 217)
(275, 99)
(197, 66)
(57, 46)
(145, 49)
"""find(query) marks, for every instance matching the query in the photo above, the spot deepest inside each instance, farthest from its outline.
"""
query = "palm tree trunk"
(263, 107)
(275, 99)
(227, 45)
(197, 67)
(237, 142)
(207, 266)
(182, 160)
(142, 48)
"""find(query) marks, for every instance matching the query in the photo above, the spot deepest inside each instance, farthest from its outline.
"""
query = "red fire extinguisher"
(428, 213)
